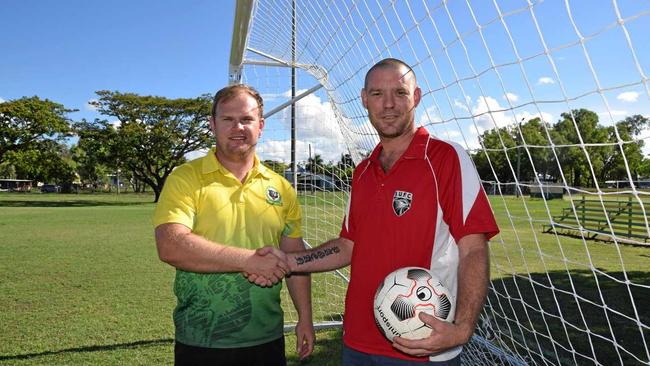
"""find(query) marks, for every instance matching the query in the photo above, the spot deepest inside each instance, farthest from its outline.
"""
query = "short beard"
(392, 135)
(403, 130)
(236, 155)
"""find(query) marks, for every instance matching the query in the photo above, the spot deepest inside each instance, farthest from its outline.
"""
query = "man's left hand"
(305, 337)
(443, 336)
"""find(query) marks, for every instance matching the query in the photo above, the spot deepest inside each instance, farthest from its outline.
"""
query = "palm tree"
(315, 164)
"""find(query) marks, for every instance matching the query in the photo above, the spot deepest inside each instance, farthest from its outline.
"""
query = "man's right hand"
(266, 267)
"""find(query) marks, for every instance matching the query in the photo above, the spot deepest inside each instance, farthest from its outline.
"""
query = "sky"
(480, 64)
(66, 50)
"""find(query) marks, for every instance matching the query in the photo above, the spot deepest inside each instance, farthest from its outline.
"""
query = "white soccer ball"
(405, 293)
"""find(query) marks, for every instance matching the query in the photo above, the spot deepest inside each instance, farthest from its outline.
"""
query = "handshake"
(268, 266)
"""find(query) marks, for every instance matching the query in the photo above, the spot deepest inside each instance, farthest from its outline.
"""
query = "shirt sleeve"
(466, 208)
(293, 217)
(176, 203)
(347, 227)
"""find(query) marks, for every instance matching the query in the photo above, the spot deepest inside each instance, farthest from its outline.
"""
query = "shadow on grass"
(110, 347)
(574, 318)
(67, 203)
(326, 352)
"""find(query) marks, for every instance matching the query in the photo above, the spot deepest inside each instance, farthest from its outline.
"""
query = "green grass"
(81, 282)
(567, 278)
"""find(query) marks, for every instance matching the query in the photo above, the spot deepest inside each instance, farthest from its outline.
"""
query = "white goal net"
(551, 100)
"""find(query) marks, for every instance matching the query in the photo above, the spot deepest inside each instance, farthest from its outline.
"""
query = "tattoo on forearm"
(319, 254)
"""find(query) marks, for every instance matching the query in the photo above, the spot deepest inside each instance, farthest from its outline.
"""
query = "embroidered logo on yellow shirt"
(273, 196)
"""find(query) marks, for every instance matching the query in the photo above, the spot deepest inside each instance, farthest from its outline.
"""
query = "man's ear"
(213, 125)
(417, 95)
(364, 98)
(261, 125)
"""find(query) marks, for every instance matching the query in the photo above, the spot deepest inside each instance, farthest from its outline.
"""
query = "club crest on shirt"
(402, 202)
(273, 196)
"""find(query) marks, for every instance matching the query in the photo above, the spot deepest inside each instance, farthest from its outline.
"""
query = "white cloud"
(92, 105)
(455, 135)
(511, 97)
(274, 150)
(447, 133)
(452, 133)
(315, 125)
(430, 115)
(544, 116)
(195, 154)
(117, 123)
(462, 105)
(489, 114)
(615, 114)
(645, 135)
(545, 80)
(629, 97)
(272, 96)
(2, 100)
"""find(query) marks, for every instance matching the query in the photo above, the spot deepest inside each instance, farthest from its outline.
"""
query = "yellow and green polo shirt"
(224, 310)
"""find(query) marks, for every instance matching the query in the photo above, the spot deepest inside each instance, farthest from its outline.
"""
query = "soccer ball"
(405, 293)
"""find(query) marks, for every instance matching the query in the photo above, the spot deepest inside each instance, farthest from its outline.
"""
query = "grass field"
(547, 284)
(82, 283)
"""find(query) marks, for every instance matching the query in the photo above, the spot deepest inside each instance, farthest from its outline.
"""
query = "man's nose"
(389, 102)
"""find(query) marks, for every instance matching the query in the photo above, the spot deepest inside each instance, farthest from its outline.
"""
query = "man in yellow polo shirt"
(212, 214)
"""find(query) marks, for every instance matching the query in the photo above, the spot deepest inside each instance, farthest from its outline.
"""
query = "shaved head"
(390, 63)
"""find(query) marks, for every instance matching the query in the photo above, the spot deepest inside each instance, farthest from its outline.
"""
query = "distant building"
(642, 184)
(315, 182)
(547, 191)
(15, 185)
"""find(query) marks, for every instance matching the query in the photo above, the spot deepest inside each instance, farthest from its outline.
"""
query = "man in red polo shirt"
(416, 201)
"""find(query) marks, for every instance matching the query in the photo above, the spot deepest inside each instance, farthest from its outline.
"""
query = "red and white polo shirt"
(411, 216)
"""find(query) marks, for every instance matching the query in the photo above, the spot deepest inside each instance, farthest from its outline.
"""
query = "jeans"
(351, 357)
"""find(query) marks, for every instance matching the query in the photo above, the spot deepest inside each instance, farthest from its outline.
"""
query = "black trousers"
(267, 354)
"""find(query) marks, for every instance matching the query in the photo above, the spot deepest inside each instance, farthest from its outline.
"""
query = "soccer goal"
(550, 99)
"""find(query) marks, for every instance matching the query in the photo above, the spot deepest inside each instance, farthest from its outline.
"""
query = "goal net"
(551, 101)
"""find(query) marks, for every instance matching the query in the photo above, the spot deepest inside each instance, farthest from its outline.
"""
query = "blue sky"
(480, 64)
(67, 50)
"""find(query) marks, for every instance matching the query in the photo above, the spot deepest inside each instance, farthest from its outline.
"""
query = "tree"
(587, 152)
(51, 162)
(521, 151)
(578, 127)
(631, 149)
(27, 124)
(492, 163)
(644, 168)
(31, 132)
(7, 170)
(277, 166)
(343, 171)
(94, 150)
(315, 164)
(155, 133)
(345, 167)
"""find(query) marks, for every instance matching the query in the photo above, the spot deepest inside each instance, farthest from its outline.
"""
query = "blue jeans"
(351, 357)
